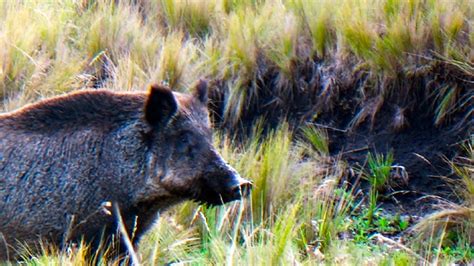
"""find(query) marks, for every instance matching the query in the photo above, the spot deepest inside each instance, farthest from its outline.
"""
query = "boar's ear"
(200, 91)
(160, 106)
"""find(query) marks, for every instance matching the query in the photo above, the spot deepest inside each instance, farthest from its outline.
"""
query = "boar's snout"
(236, 189)
(242, 189)
(220, 188)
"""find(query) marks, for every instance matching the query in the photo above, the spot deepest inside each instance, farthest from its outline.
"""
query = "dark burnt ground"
(364, 112)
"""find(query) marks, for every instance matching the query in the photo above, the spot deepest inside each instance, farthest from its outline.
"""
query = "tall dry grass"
(50, 47)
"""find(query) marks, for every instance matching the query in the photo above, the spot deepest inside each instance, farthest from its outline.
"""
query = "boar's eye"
(185, 139)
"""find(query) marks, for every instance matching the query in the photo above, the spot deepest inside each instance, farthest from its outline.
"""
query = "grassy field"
(308, 207)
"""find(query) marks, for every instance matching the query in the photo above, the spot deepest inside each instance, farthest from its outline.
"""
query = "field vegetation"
(277, 68)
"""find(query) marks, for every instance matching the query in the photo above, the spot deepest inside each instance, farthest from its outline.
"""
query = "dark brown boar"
(61, 159)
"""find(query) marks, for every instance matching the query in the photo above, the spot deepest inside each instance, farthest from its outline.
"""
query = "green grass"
(317, 138)
(379, 167)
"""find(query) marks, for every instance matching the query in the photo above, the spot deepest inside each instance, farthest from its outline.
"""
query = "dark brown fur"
(63, 158)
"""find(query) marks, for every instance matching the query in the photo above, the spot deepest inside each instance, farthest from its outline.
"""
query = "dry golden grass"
(50, 47)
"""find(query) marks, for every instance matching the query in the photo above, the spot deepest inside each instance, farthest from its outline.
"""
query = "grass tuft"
(449, 232)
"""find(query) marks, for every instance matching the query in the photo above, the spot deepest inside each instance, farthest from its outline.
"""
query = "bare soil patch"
(363, 112)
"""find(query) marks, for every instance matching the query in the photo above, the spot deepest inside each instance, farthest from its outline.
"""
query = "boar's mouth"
(218, 195)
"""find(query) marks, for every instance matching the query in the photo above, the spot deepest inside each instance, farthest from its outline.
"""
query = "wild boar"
(63, 158)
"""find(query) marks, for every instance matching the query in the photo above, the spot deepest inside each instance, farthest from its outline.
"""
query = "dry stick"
(125, 237)
(382, 238)
(329, 127)
(356, 150)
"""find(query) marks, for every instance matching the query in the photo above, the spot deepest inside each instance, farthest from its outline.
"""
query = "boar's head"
(182, 158)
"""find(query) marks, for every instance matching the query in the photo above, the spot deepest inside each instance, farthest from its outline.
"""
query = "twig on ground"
(356, 150)
(382, 239)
